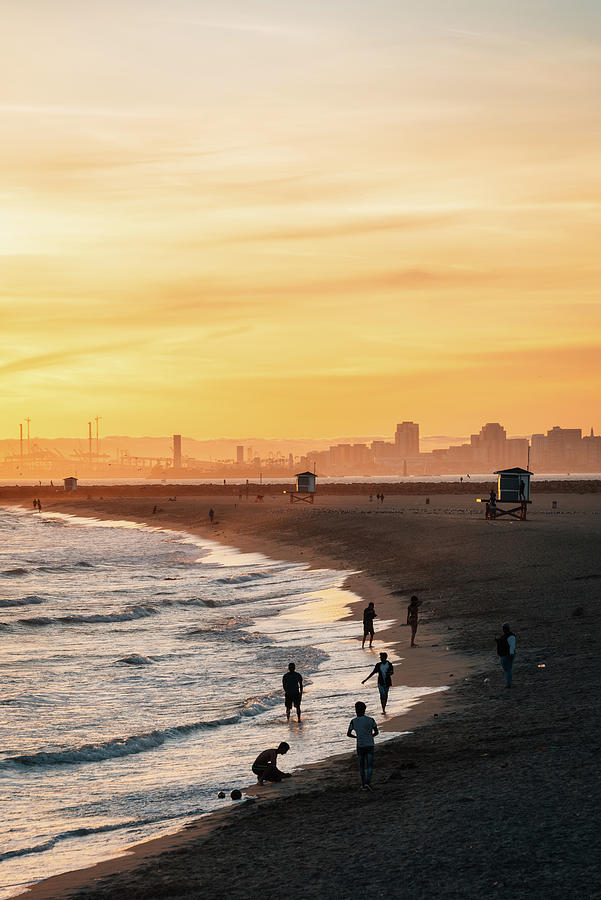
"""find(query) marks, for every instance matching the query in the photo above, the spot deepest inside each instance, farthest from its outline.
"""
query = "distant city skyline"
(404, 453)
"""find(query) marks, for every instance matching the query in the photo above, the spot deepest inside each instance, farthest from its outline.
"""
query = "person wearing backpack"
(506, 651)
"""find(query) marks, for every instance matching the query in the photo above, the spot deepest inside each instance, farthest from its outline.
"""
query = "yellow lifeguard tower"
(306, 483)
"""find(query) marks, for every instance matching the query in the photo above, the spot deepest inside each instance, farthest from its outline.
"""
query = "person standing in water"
(211, 515)
(413, 617)
(292, 682)
(384, 670)
(364, 728)
(369, 614)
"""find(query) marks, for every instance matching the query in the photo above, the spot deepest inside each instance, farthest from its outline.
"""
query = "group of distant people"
(37, 504)
(379, 497)
(363, 727)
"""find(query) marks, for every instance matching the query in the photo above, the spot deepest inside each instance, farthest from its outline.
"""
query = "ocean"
(140, 674)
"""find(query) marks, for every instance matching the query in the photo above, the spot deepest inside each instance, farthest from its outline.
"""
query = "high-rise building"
(240, 454)
(177, 451)
(406, 439)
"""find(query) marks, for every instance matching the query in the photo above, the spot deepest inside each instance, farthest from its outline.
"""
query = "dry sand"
(495, 791)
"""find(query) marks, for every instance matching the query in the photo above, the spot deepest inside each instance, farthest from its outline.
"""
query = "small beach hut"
(306, 483)
(514, 485)
(70, 483)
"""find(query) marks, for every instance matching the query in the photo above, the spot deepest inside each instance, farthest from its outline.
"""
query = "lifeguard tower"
(306, 483)
(513, 487)
(70, 484)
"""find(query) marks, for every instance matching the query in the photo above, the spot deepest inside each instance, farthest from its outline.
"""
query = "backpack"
(503, 644)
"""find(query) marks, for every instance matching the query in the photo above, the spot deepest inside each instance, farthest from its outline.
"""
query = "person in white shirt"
(364, 728)
(506, 651)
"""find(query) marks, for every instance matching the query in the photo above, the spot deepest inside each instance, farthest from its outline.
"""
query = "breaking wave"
(138, 743)
(135, 659)
(127, 615)
(22, 601)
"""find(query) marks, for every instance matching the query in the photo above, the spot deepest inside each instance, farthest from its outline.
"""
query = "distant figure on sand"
(413, 617)
(292, 682)
(383, 670)
(369, 614)
(211, 514)
(364, 728)
(265, 767)
(506, 651)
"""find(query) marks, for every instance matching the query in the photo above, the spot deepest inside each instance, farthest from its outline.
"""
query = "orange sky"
(275, 219)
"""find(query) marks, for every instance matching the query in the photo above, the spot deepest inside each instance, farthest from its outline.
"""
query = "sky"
(300, 218)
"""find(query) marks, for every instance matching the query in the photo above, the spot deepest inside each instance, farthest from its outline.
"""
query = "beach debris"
(221, 795)
(236, 794)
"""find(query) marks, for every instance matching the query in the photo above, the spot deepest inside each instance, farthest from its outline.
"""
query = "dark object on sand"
(579, 611)
(221, 795)
(236, 794)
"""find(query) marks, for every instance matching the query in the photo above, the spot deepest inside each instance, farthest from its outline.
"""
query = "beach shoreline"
(429, 670)
(454, 738)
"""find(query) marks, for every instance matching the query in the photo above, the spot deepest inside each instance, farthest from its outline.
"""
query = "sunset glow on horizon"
(284, 219)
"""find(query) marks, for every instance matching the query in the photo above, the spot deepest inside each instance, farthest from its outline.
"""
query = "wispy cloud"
(261, 29)
(62, 357)
(102, 112)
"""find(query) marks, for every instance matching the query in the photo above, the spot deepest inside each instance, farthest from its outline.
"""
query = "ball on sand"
(221, 795)
(236, 794)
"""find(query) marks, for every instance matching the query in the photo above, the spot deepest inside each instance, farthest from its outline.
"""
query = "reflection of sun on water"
(334, 605)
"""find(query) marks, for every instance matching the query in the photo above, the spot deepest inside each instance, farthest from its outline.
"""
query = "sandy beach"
(492, 790)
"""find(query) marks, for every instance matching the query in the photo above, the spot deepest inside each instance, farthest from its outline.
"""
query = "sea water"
(140, 673)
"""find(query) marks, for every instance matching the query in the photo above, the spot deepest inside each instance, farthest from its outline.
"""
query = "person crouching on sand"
(383, 670)
(265, 767)
(364, 728)
(413, 617)
(506, 651)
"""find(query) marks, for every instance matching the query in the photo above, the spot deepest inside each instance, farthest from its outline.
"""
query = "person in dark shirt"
(264, 766)
(383, 670)
(369, 614)
(292, 682)
(413, 617)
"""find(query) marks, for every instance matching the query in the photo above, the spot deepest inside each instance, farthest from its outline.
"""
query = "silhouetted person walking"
(506, 651)
(369, 614)
(211, 515)
(384, 670)
(292, 682)
(364, 728)
(413, 617)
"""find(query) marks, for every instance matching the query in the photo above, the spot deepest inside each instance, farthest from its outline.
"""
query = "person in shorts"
(369, 614)
(292, 682)
(413, 617)
(264, 766)
(364, 728)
